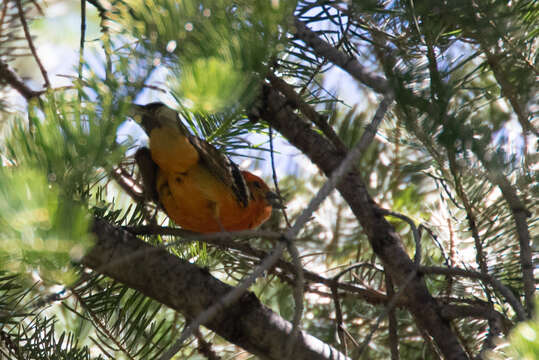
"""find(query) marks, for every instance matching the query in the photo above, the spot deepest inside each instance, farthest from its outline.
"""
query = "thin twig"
(31, 44)
(341, 330)
(350, 337)
(274, 173)
(452, 260)
(393, 334)
(294, 253)
(495, 283)
(205, 348)
(307, 110)
(449, 261)
(470, 217)
(209, 237)
(101, 325)
(126, 186)
(347, 63)
(325, 61)
(105, 38)
(415, 232)
(82, 41)
(12, 78)
(353, 267)
(520, 214)
(218, 239)
(227, 300)
(156, 88)
(350, 159)
(429, 341)
(442, 182)
(339, 319)
(298, 298)
(39, 9)
(390, 305)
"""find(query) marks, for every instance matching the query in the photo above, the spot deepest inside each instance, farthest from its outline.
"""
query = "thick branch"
(190, 290)
(383, 238)
(373, 297)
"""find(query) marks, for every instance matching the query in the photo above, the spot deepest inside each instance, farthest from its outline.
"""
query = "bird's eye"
(257, 185)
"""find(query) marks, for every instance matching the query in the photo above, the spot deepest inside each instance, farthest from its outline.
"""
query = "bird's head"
(260, 192)
(154, 115)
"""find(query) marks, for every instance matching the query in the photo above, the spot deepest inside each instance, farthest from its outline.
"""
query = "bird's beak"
(275, 200)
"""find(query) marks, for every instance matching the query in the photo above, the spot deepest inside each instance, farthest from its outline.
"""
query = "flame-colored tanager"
(199, 188)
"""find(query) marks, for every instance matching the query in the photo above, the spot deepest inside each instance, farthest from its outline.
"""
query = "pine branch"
(509, 91)
(30, 42)
(384, 240)
(218, 239)
(167, 279)
(470, 217)
(347, 63)
(205, 349)
(510, 297)
(307, 110)
(392, 318)
(9, 76)
(28, 333)
(333, 180)
(520, 214)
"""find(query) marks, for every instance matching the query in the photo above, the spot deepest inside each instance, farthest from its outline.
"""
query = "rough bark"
(190, 290)
(384, 240)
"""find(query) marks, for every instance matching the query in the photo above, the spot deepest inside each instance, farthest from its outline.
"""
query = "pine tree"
(411, 204)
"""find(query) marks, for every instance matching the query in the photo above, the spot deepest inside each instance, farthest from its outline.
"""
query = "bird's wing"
(218, 164)
(222, 168)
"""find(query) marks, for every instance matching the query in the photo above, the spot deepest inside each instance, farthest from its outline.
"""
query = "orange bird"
(199, 188)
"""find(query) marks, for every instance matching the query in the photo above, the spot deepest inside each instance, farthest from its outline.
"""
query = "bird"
(198, 186)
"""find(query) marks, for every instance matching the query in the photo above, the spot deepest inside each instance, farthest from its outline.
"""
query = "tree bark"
(190, 290)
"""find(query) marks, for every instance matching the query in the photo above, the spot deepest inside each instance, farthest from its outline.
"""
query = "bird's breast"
(199, 202)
